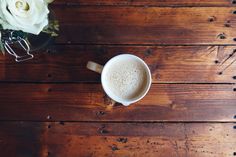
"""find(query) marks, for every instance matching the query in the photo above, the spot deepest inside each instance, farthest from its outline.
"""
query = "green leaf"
(52, 28)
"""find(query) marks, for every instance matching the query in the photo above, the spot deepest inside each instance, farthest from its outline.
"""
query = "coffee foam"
(126, 78)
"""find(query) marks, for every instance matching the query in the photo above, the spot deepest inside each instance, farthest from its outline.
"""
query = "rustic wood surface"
(88, 102)
(62, 139)
(53, 106)
(146, 25)
(168, 64)
(146, 3)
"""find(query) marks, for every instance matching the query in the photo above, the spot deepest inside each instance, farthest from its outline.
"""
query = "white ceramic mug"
(103, 71)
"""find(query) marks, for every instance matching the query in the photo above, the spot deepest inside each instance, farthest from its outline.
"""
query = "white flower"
(30, 16)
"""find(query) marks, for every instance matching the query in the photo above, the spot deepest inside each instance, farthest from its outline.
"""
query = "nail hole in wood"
(233, 1)
(220, 73)
(234, 116)
(49, 89)
(103, 131)
(212, 19)
(49, 75)
(49, 126)
(234, 89)
(49, 153)
(62, 123)
(234, 77)
(234, 12)
(216, 61)
(227, 25)
(235, 127)
(49, 117)
(234, 153)
(234, 39)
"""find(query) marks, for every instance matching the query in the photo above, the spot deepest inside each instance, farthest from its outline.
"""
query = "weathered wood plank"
(23, 139)
(20, 139)
(148, 2)
(176, 64)
(87, 102)
(146, 25)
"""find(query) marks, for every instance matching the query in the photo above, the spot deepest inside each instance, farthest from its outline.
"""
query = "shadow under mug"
(103, 71)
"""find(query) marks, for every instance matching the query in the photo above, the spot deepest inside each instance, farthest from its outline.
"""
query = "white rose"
(30, 16)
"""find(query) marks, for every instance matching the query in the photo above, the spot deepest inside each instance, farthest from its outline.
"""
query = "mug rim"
(117, 99)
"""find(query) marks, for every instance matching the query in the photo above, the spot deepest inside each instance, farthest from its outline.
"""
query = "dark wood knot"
(102, 130)
(122, 140)
(114, 147)
(148, 52)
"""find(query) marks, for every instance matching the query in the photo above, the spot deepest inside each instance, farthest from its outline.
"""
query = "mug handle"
(98, 68)
(94, 67)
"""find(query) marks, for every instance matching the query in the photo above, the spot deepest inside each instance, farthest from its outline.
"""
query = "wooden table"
(53, 106)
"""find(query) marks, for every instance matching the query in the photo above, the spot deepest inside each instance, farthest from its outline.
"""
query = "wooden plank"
(146, 25)
(117, 139)
(87, 102)
(20, 139)
(175, 64)
(148, 2)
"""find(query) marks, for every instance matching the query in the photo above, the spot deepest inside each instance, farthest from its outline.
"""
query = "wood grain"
(87, 102)
(56, 86)
(20, 139)
(148, 2)
(146, 25)
(168, 64)
(66, 139)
